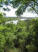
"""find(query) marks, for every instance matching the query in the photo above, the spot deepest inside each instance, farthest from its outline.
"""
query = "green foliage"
(22, 5)
(2, 42)
(24, 35)
(31, 48)
(2, 20)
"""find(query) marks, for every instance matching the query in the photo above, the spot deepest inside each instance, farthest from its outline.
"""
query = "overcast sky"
(11, 13)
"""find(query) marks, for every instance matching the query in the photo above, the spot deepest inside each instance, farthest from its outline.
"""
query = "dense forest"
(22, 37)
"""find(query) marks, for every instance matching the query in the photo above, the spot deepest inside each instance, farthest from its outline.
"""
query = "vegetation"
(22, 37)
(21, 5)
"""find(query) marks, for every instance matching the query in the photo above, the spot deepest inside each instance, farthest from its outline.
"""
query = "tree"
(36, 35)
(22, 5)
(6, 35)
(24, 35)
(2, 18)
(2, 43)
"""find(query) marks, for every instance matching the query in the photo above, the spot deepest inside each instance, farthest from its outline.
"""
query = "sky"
(11, 13)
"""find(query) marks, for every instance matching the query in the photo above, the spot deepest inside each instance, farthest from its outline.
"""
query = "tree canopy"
(23, 35)
(22, 5)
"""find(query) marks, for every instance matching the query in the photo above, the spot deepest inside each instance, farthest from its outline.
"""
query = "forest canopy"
(23, 36)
